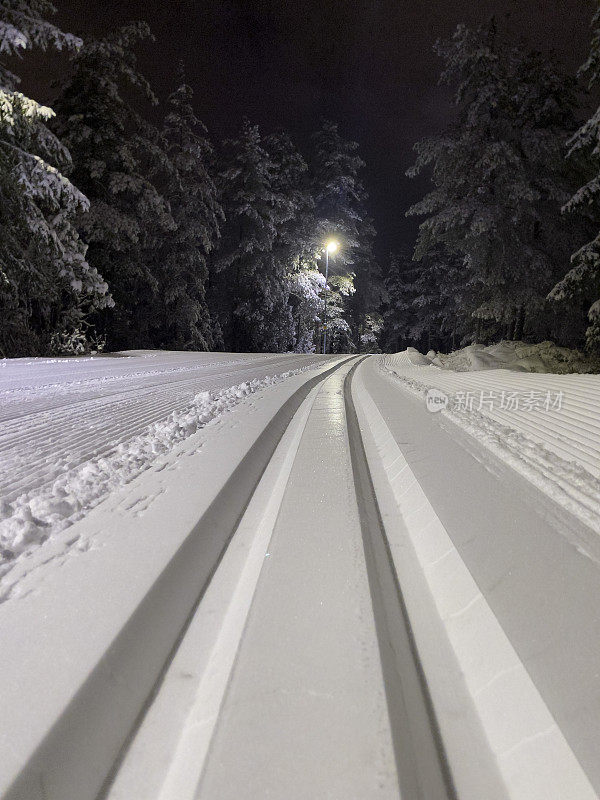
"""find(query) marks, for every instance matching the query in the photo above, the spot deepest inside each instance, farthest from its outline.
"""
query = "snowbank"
(515, 356)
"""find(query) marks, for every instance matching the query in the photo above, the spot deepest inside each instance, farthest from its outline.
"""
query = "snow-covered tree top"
(23, 26)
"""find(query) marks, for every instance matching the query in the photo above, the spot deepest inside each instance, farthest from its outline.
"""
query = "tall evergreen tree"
(118, 158)
(46, 285)
(295, 232)
(337, 190)
(422, 303)
(437, 302)
(190, 190)
(338, 297)
(294, 245)
(340, 201)
(580, 287)
(499, 179)
(397, 302)
(368, 290)
(306, 300)
(250, 285)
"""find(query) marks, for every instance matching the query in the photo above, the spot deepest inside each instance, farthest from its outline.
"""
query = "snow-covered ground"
(535, 564)
(74, 430)
(274, 504)
(544, 425)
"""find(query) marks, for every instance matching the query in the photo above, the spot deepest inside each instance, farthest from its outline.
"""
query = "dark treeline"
(120, 233)
(508, 246)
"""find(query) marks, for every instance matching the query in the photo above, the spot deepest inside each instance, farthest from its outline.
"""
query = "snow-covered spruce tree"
(250, 281)
(500, 180)
(182, 273)
(580, 287)
(370, 332)
(437, 300)
(306, 299)
(46, 285)
(338, 297)
(422, 301)
(368, 291)
(337, 191)
(118, 158)
(340, 201)
(397, 302)
(296, 247)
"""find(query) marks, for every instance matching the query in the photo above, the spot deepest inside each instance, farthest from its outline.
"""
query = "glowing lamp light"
(332, 246)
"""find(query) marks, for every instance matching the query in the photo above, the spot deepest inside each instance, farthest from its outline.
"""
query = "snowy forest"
(120, 233)
(509, 245)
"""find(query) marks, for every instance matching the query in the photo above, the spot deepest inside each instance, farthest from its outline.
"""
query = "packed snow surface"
(546, 426)
(73, 430)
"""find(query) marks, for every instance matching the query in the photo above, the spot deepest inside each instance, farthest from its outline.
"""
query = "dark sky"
(367, 64)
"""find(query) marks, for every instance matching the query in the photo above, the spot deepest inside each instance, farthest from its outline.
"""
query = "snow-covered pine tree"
(295, 248)
(46, 285)
(499, 179)
(580, 287)
(339, 294)
(437, 320)
(340, 200)
(422, 302)
(249, 285)
(370, 332)
(306, 296)
(337, 191)
(368, 289)
(397, 302)
(290, 180)
(118, 158)
(182, 272)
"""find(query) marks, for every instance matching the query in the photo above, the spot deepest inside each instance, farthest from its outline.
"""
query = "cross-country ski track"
(284, 577)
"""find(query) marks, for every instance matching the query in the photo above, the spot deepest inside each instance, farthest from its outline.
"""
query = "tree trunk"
(513, 324)
(520, 323)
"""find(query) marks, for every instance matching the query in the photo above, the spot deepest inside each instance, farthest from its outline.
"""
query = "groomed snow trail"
(301, 704)
(330, 673)
(546, 426)
(73, 430)
(338, 595)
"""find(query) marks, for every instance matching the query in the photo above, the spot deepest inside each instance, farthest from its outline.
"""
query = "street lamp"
(330, 247)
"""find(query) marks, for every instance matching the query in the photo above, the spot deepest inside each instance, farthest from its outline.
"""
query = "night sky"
(367, 64)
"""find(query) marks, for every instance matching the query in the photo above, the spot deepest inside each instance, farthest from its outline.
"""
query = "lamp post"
(330, 247)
